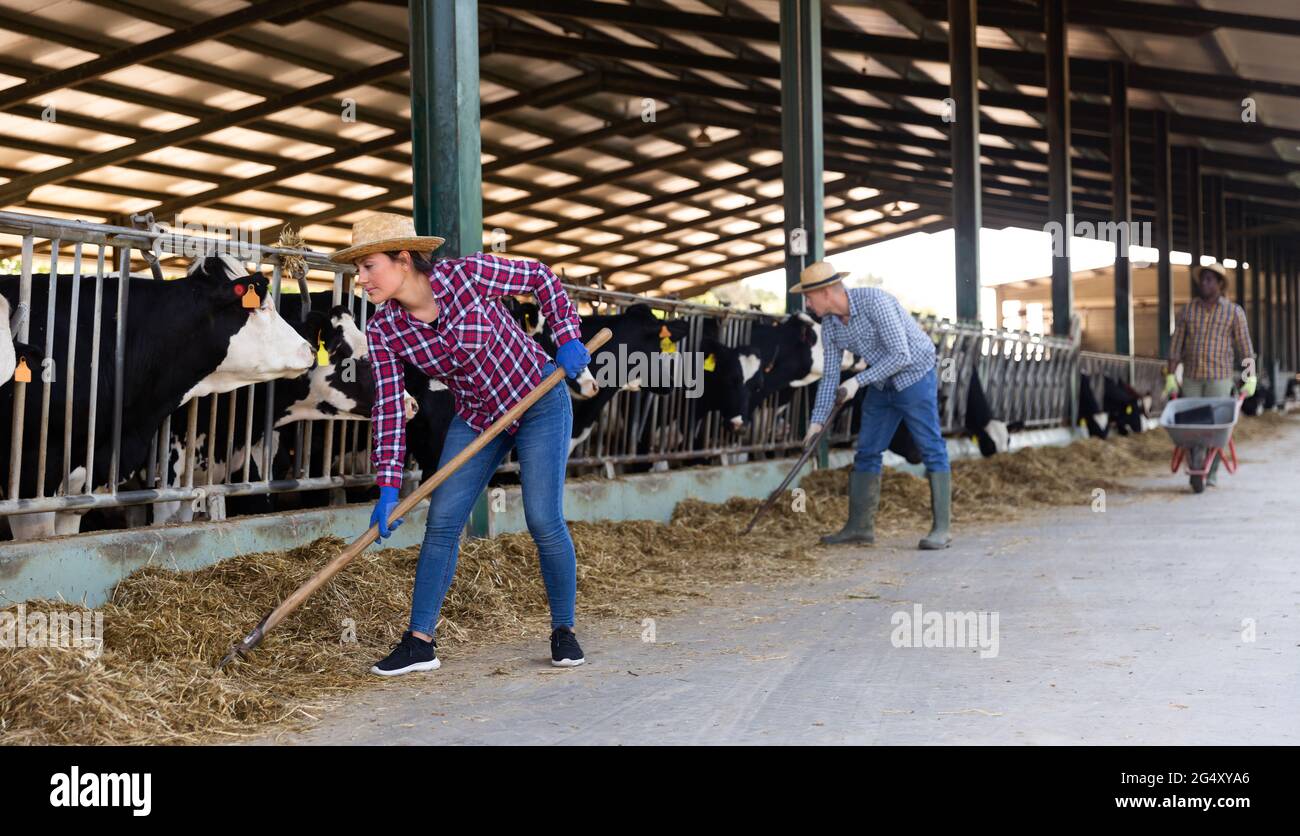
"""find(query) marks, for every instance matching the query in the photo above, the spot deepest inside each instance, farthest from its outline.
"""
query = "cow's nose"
(306, 357)
(737, 422)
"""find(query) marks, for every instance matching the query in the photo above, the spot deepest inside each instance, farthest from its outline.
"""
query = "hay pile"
(155, 681)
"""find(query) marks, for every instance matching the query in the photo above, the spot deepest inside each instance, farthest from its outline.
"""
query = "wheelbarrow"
(1201, 429)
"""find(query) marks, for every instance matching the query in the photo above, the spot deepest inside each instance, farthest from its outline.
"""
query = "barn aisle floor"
(1127, 626)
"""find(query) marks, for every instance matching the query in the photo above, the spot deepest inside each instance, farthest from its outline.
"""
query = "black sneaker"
(565, 652)
(411, 654)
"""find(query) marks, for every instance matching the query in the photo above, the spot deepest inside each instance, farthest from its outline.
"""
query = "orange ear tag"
(22, 374)
(251, 299)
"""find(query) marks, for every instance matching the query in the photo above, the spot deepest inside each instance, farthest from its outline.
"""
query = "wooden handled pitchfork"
(302, 593)
(809, 449)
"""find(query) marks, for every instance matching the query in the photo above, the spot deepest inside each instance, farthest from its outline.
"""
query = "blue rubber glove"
(383, 510)
(574, 357)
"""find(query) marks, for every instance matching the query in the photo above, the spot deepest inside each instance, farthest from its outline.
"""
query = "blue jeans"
(918, 407)
(543, 444)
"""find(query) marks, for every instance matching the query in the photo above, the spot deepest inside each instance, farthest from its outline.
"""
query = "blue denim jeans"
(918, 407)
(543, 444)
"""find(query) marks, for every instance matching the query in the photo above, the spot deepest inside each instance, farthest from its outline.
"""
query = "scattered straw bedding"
(155, 681)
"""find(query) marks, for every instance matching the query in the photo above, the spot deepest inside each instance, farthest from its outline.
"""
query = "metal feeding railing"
(346, 464)
(1027, 379)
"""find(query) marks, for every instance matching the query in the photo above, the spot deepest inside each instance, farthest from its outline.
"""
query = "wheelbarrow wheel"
(1196, 461)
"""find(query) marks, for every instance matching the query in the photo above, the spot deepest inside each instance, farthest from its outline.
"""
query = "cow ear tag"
(666, 344)
(22, 374)
(251, 299)
(710, 363)
(322, 356)
(1128, 410)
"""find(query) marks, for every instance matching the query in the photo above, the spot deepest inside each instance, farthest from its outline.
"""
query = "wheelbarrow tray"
(1225, 413)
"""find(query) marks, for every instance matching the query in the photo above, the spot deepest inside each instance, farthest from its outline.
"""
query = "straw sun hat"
(385, 232)
(815, 276)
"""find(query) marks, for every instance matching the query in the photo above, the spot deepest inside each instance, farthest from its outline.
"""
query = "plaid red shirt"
(474, 346)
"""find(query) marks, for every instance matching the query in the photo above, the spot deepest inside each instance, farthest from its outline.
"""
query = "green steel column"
(1164, 233)
(1059, 209)
(1121, 172)
(801, 134)
(445, 145)
(446, 165)
(963, 62)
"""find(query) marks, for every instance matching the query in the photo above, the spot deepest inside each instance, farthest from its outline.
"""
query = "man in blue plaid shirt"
(902, 386)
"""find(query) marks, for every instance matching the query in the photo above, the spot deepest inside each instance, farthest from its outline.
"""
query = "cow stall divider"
(1028, 380)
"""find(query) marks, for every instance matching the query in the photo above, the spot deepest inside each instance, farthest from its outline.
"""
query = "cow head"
(261, 345)
(344, 386)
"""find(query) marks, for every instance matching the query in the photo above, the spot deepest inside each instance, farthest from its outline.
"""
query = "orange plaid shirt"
(1206, 336)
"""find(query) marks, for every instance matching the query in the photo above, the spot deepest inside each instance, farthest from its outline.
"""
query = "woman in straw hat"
(442, 318)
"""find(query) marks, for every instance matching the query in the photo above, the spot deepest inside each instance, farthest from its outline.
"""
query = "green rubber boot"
(864, 499)
(940, 509)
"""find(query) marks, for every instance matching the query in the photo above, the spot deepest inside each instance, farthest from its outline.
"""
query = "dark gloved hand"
(383, 510)
(574, 357)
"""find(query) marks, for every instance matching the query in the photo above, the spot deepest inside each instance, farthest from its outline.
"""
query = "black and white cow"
(1124, 406)
(1261, 401)
(989, 433)
(342, 388)
(1091, 416)
(184, 338)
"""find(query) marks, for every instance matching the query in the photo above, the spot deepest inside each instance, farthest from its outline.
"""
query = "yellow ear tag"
(322, 356)
(710, 363)
(975, 439)
(1128, 410)
(1083, 422)
(251, 299)
(667, 346)
(22, 374)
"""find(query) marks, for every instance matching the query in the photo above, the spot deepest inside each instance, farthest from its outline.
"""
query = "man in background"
(1210, 329)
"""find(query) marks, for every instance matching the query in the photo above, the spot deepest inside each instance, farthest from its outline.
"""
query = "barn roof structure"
(639, 143)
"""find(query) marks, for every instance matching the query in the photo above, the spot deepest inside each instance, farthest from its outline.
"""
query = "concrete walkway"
(1126, 626)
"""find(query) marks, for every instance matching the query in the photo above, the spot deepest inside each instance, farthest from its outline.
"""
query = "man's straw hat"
(817, 275)
(1216, 269)
(385, 232)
